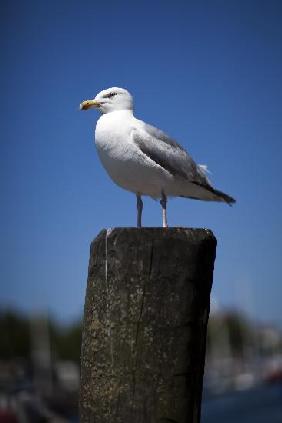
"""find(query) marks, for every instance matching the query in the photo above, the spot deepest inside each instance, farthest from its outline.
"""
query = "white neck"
(123, 112)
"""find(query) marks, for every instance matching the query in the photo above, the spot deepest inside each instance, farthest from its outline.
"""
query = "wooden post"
(145, 321)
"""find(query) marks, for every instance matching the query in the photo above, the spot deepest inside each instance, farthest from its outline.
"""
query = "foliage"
(229, 330)
(66, 341)
(16, 337)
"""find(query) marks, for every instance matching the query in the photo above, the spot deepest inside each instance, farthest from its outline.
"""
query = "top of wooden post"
(193, 234)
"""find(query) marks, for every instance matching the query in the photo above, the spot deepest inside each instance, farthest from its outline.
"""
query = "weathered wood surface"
(145, 319)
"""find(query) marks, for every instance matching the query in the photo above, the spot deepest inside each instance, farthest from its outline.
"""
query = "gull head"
(109, 100)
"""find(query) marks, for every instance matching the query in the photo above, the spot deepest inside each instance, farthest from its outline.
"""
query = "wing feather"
(168, 154)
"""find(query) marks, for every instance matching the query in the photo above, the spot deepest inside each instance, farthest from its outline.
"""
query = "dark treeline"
(16, 334)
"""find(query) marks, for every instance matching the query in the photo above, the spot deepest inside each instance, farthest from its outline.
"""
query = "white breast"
(125, 163)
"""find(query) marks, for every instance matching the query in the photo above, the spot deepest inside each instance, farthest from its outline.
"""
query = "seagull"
(143, 159)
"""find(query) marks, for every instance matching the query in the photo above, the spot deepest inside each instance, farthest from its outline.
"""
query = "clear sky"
(207, 72)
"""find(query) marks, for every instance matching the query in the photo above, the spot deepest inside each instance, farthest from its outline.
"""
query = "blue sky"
(208, 73)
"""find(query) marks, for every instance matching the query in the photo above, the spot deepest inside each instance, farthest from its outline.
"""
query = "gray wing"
(168, 154)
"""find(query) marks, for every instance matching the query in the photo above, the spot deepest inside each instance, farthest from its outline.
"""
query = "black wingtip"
(225, 197)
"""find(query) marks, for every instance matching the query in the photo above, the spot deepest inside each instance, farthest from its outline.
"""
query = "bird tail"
(219, 195)
(208, 193)
(224, 197)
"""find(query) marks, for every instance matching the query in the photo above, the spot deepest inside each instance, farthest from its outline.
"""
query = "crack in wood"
(139, 320)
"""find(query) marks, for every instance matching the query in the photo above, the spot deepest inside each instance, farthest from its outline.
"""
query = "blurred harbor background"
(39, 369)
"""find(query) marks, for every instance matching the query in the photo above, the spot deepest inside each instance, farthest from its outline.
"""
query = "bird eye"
(110, 95)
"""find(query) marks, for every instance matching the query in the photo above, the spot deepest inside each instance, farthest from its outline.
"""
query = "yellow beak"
(88, 104)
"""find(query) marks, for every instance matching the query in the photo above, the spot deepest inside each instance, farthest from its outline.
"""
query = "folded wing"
(168, 154)
(172, 157)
